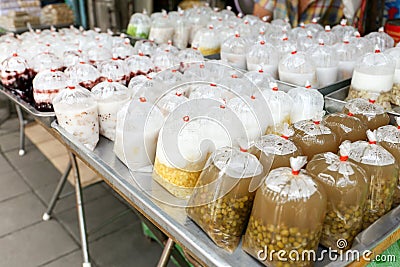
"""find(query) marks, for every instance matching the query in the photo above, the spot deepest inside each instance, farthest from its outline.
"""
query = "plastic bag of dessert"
(222, 200)
(313, 137)
(297, 68)
(233, 51)
(314, 27)
(196, 21)
(307, 102)
(115, 69)
(281, 24)
(181, 32)
(7, 48)
(247, 30)
(98, 54)
(342, 30)
(161, 29)
(327, 36)
(259, 78)
(71, 58)
(373, 73)
(326, 63)
(85, 74)
(285, 46)
(16, 76)
(110, 97)
(136, 82)
(395, 54)
(46, 86)
(373, 115)
(170, 77)
(150, 89)
(188, 56)
(147, 47)
(347, 54)
(381, 39)
(207, 41)
(280, 104)
(139, 25)
(123, 50)
(265, 54)
(275, 150)
(299, 31)
(167, 47)
(288, 214)
(76, 112)
(346, 185)
(303, 43)
(136, 133)
(171, 101)
(389, 138)
(208, 91)
(382, 170)
(363, 45)
(346, 127)
(139, 65)
(163, 60)
(46, 61)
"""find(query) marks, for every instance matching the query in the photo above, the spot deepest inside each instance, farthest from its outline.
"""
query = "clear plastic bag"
(16, 76)
(313, 137)
(298, 68)
(288, 214)
(110, 97)
(98, 54)
(181, 32)
(346, 185)
(382, 170)
(373, 73)
(327, 36)
(389, 138)
(115, 69)
(233, 51)
(85, 74)
(280, 104)
(161, 30)
(346, 127)
(381, 38)
(46, 86)
(139, 25)
(265, 55)
(207, 41)
(76, 111)
(46, 61)
(307, 102)
(274, 151)
(136, 133)
(222, 200)
(373, 115)
(139, 65)
(395, 53)
(347, 55)
(342, 30)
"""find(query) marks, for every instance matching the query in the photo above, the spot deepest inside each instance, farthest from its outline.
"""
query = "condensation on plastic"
(222, 200)
(137, 128)
(346, 185)
(287, 206)
(76, 111)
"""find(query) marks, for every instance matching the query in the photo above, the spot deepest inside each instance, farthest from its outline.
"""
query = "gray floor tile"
(10, 125)
(35, 245)
(11, 184)
(31, 157)
(19, 212)
(127, 247)
(10, 142)
(73, 259)
(89, 194)
(5, 167)
(97, 213)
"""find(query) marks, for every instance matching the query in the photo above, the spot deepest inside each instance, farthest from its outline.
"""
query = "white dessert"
(107, 110)
(45, 95)
(298, 78)
(371, 82)
(161, 35)
(80, 120)
(234, 60)
(181, 37)
(396, 76)
(345, 70)
(326, 75)
(270, 69)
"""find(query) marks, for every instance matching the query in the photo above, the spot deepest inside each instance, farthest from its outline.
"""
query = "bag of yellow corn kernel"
(389, 138)
(287, 217)
(346, 186)
(274, 151)
(222, 200)
(372, 114)
(382, 170)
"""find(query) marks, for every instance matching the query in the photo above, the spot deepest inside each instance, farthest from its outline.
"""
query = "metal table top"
(174, 221)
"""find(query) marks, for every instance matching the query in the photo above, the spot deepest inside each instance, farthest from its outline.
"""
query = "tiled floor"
(26, 185)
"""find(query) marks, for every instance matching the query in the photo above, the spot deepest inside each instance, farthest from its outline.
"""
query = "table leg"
(81, 212)
(21, 151)
(56, 194)
(166, 253)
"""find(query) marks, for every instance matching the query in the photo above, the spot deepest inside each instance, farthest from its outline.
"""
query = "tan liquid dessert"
(346, 127)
